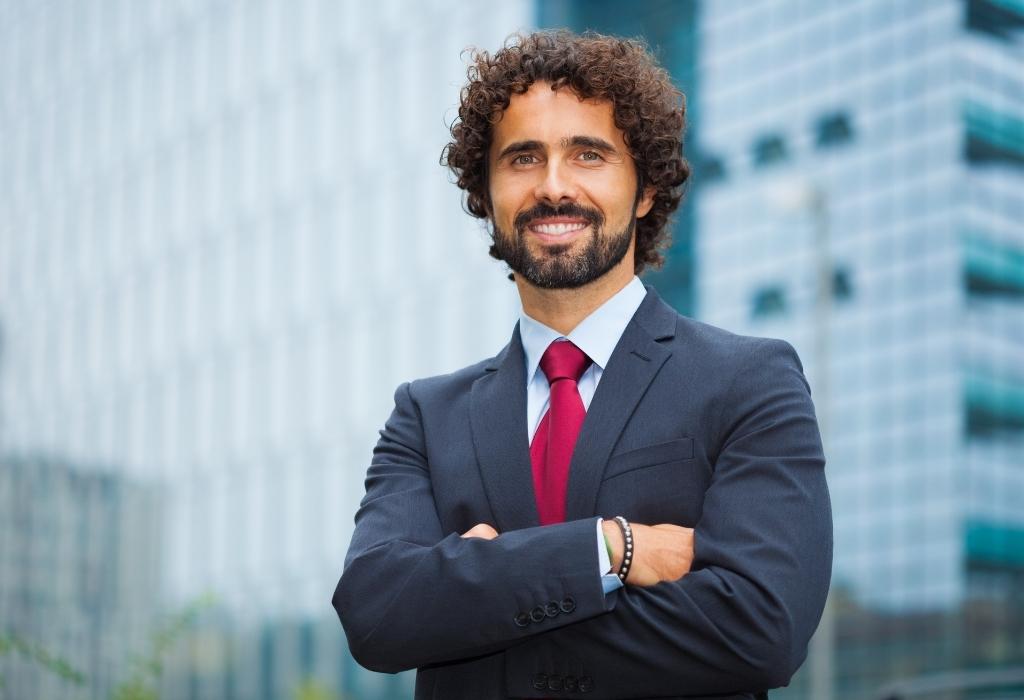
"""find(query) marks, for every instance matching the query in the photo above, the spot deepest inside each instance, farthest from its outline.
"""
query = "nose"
(556, 184)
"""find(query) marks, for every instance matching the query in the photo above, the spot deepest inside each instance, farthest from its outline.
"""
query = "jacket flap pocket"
(649, 456)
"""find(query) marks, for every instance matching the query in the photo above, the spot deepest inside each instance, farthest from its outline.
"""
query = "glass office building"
(79, 570)
(224, 240)
(867, 207)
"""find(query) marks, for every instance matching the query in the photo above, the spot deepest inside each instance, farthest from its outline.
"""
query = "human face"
(563, 189)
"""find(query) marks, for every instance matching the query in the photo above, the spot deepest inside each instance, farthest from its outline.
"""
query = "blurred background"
(225, 238)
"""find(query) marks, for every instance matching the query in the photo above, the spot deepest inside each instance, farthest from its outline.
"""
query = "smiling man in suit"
(623, 503)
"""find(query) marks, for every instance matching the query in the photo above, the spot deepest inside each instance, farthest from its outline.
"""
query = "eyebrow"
(520, 147)
(594, 142)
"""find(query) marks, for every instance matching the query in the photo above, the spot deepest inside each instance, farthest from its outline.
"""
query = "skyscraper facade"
(224, 240)
(79, 569)
(865, 204)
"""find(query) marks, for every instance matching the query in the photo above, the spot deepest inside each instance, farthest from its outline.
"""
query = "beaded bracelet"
(627, 555)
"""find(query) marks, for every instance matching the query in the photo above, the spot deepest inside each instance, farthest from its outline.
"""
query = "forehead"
(553, 117)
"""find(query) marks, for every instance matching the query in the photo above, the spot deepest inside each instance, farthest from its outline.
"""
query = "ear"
(643, 207)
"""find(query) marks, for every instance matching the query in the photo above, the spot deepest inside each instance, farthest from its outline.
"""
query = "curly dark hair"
(647, 107)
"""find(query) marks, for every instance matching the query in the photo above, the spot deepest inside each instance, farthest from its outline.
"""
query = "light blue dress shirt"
(596, 335)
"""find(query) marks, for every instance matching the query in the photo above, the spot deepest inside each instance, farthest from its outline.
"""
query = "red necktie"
(551, 451)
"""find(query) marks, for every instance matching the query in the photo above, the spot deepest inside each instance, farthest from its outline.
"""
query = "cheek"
(616, 203)
(614, 189)
(507, 200)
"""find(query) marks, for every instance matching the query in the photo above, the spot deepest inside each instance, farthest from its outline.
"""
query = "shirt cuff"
(609, 581)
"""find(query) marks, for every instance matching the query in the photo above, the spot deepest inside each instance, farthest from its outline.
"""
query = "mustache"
(542, 210)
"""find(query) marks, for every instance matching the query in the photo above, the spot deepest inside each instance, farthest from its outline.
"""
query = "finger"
(482, 530)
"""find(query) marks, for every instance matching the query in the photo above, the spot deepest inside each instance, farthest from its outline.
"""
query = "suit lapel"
(498, 420)
(634, 363)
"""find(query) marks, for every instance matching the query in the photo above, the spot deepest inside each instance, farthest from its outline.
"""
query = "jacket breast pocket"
(661, 483)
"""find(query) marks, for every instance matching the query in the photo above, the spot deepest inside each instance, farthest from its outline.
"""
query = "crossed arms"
(739, 619)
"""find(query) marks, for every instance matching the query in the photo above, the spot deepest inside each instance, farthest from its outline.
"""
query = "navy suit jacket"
(689, 425)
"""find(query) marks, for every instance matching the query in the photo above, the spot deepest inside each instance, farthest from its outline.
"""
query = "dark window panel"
(769, 301)
(710, 169)
(770, 149)
(991, 543)
(993, 407)
(992, 137)
(833, 130)
(992, 269)
(842, 284)
(982, 151)
(998, 18)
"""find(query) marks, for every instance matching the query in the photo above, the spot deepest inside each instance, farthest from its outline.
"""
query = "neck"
(563, 309)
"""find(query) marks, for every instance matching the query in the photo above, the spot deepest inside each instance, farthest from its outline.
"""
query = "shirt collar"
(596, 335)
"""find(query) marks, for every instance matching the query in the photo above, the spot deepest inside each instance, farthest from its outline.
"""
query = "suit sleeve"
(412, 595)
(742, 619)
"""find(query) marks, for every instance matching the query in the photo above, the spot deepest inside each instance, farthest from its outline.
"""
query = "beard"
(556, 267)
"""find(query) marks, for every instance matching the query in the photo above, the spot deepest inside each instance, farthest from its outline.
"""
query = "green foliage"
(313, 690)
(134, 690)
(149, 667)
(14, 644)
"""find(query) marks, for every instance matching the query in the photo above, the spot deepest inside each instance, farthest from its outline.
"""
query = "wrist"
(627, 553)
(615, 542)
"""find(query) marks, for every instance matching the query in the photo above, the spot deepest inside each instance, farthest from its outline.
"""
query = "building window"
(267, 673)
(991, 137)
(998, 18)
(994, 407)
(307, 648)
(996, 545)
(769, 149)
(842, 284)
(711, 169)
(992, 270)
(768, 302)
(833, 130)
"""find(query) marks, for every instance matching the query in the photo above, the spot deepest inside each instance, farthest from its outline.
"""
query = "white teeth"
(557, 229)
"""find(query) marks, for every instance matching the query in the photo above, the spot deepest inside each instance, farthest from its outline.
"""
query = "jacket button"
(586, 684)
(571, 683)
(537, 614)
(552, 609)
(522, 619)
(540, 681)
(554, 683)
(568, 604)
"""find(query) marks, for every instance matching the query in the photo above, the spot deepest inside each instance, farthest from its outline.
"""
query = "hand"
(483, 531)
(660, 552)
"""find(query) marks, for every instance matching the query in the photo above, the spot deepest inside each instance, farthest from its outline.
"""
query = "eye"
(590, 156)
(523, 159)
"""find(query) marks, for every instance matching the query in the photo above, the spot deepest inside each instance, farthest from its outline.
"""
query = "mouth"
(557, 230)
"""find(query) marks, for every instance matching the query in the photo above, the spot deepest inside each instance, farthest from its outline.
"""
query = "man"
(623, 503)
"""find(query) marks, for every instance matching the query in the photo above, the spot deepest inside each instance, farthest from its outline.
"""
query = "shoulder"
(447, 390)
(731, 350)
(750, 381)
(453, 383)
(705, 348)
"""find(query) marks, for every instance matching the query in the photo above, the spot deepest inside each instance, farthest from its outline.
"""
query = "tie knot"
(563, 360)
